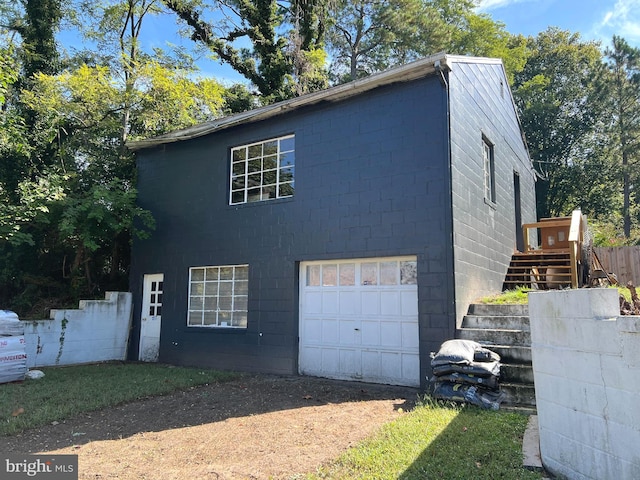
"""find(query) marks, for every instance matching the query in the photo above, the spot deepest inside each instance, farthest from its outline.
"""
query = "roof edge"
(404, 73)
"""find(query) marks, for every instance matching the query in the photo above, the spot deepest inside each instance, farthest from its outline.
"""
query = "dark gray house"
(340, 234)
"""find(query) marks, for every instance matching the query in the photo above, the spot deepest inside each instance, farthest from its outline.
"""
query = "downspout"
(443, 72)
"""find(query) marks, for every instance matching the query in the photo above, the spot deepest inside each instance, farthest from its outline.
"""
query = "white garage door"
(359, 320)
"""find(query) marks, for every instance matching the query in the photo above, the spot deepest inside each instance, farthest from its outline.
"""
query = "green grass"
(519, 295)
(515, 296)
(437, 441)
(68, 391)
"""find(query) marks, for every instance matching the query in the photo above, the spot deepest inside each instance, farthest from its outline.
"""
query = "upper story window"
(489, 171)
(263, 170)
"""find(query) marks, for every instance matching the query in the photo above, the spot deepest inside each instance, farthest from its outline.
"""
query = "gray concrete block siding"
(381, 173)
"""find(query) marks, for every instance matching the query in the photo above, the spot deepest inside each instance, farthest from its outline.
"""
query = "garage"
(359, 320)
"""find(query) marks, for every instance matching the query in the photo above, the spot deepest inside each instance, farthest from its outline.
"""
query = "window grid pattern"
(489, 171)
(218, 296)
(263, 170)
(386, 273)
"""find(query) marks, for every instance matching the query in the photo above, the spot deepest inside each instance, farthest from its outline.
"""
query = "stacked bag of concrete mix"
(13, 358)
(465, 371)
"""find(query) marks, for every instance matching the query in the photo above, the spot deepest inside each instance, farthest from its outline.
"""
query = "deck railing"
(559, 235)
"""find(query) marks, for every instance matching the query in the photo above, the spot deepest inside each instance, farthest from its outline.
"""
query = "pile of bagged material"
(13, 359)
(465, 371)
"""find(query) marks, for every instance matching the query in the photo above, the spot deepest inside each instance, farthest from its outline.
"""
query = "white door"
(359, 320)
(151, 318)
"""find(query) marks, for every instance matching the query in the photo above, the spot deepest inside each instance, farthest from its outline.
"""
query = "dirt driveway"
(256, 427)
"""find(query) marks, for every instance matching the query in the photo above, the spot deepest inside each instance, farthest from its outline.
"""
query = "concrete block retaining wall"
(97, 331)
(586, 362)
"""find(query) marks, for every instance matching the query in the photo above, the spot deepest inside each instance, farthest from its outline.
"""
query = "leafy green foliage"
(623, 88)
(67, 180)
(561, 107)
(368, 36)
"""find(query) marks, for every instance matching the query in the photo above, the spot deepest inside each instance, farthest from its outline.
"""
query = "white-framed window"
(388, 272)
(218, 296)
(263, 170)
(489, 171)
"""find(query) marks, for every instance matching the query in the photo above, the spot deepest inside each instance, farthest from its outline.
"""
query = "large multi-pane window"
(218, 296)
(263, 170)
(489, 171)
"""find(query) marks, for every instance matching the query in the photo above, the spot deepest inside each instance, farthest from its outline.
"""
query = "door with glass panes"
(151, 318)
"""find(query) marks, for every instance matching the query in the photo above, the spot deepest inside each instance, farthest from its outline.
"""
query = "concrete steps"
(504, 329)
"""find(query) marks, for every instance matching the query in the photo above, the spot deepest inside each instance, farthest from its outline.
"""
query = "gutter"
(404, 73)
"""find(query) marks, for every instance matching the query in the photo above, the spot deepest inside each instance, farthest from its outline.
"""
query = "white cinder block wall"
(97, 331)
(586, 362)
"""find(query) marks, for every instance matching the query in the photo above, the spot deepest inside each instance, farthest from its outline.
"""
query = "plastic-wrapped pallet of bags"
(459, 392)
(465, 371)
(465, 357)
(13, 357)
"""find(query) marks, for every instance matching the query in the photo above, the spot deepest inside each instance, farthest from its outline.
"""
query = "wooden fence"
(623, 261)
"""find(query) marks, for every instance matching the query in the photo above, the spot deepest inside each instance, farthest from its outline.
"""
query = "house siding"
(485, 234)
(372, 180)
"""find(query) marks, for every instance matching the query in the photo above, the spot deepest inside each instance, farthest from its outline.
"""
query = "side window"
(489, 171)
(218, 296)
(262, 171)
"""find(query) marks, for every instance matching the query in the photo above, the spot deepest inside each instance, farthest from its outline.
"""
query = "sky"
(593, 19)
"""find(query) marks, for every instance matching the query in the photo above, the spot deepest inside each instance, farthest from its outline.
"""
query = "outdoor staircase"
(504, 329)
(538, 269)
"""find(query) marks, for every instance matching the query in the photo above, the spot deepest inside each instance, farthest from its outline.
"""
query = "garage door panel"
(370, 364)
(411, 366)
(330, 332)
(349, 363)
(391, 365)
(370, 302)
(330, 360)
(370, 333)
(330, 302)
(349, 304)
(359, 320)
(389, 303)
(313, 302)
(409, 303)
(312, 361)
(349, 332)
(312, 328)
(410, 339)
(390, 334)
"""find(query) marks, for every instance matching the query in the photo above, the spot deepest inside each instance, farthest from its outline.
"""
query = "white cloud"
(623, 20)
(485, 5)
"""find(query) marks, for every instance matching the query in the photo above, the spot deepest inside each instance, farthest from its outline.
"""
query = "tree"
(266, 65)
(93, 111)
(481, 36)
(624, 94)
(66, 230)
(367, 36)
(37, 30)
(286, 57)
(561, 107)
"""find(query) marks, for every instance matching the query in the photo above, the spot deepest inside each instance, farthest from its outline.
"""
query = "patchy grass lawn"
(437, 441)
(68, 391)
(518, 295)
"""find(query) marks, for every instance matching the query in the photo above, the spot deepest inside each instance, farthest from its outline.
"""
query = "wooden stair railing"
(555, 262)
